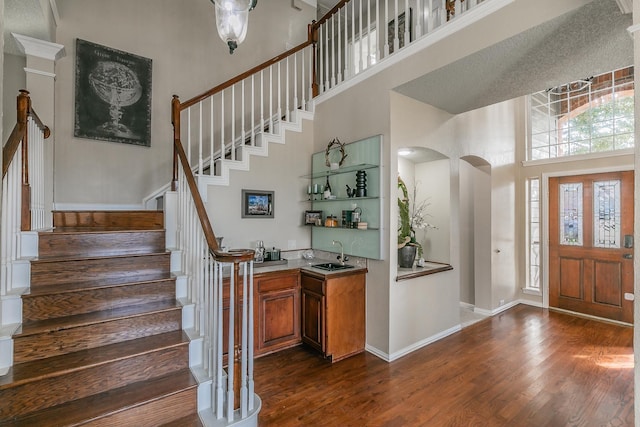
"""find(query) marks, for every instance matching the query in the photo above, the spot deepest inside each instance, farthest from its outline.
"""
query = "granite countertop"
(306, 265)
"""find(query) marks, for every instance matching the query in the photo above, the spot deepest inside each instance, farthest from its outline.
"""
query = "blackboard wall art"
(113, 95)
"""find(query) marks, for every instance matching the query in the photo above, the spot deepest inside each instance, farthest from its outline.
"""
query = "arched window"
(586, 116)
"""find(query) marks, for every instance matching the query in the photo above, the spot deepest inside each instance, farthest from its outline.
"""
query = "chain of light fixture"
(232, 18)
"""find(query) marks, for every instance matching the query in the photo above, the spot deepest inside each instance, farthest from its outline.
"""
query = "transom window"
(593, 115)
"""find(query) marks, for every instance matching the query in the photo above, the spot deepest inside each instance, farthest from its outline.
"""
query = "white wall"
(13, 79)
(467, 231)
(188, 59)
(433, 182)
(281, 172)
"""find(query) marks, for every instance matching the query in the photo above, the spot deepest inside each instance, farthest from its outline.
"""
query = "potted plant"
(411, 217)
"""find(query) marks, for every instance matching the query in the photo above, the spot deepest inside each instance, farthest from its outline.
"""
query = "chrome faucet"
(341, 257)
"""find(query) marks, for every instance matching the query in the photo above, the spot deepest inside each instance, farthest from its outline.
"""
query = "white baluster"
(223, 143)
(361, 61)
(230, 346)
(396, 40)
(419, 18)
(347, 53)
(368, 61)
(242, 114)
(295, 81)
(189, 133)
(339, 68)
(261, 101)
(253, 111)
(407, 24)
(377, 53)
(232, 143)
(303, 103)
(286, 88)
(199, 137)
(219, 335)
(386, 33)
(327, 76)
(353, 37)
(333, 50)
(271, 100)
(244, 407)
(320, 59)
(250, 340)
(211, 142)
(279, 118)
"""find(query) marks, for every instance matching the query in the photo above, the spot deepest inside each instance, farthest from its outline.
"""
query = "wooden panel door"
(590, 244)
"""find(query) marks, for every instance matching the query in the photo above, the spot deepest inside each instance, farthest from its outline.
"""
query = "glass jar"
(331, 221)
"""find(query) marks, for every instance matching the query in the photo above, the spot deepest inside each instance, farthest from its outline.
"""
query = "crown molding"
(39, 48)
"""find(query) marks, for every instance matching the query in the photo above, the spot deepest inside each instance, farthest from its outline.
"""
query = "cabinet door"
(313, 319)
(277, 324)
(345, 316)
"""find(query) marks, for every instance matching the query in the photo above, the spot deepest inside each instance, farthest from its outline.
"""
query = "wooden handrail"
(11, 147)
(243, 76)
(329, 14)
(19, 131)
(234, 255)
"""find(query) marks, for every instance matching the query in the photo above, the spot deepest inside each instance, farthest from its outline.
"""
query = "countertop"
(307, 265)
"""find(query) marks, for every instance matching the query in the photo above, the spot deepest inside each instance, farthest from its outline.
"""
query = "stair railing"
(357, 34)
(206, 266)
(23, 185)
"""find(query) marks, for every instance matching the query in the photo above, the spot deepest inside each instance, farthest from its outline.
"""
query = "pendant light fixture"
(232, 18)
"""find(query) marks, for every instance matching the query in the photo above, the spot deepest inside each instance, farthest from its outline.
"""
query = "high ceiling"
(588, 41)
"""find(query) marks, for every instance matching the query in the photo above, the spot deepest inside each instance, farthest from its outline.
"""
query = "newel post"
(175, 120)
(24, 106)
(313, 38)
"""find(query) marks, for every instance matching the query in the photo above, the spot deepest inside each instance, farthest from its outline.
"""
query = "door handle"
(627, 256)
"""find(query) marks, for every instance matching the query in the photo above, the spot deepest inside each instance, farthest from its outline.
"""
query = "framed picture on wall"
(112, 95)
(257, 204)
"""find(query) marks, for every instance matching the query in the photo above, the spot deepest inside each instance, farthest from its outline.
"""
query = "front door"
(590, 244)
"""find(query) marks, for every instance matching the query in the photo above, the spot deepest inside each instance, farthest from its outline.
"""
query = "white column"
(40, 72)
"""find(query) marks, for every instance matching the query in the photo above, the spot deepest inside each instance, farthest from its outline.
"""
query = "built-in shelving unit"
(363, 155)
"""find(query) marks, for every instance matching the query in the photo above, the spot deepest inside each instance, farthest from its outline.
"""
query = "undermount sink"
(332, 266)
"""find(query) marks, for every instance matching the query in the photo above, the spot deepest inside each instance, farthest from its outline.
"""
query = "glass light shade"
(232, 17)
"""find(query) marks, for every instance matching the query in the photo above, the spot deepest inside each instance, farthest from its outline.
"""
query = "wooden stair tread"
(100, 230)
(39, 290)
(112, 401)
(96, 257)
(58, 365)
(192, 420)
(51, 325)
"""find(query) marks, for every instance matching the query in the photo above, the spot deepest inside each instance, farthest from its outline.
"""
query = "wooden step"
(192, 420)
(62, 243)
(133, 220)
(51, 301)
(40, 384)
(45, 338)
(48, 272)
(145, 403)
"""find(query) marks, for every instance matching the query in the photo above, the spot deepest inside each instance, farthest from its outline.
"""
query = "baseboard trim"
(410, 349)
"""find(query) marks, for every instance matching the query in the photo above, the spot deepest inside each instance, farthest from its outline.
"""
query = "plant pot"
(407, 255)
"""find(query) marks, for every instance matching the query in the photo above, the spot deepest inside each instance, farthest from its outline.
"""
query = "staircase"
(101, 341)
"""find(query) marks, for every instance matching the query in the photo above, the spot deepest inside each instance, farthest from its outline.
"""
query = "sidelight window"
(533, 233)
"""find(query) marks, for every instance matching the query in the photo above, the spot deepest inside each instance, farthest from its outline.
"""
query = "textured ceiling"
(588, 41)
(24, 17)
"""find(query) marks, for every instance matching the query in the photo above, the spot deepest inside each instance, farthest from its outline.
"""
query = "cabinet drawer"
(312, 284)
(277, 283)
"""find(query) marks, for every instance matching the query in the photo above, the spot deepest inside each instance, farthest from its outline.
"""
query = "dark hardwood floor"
(524, 367)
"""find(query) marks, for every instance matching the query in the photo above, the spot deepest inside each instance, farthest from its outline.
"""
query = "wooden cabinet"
(333, 313)
(276, 312)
